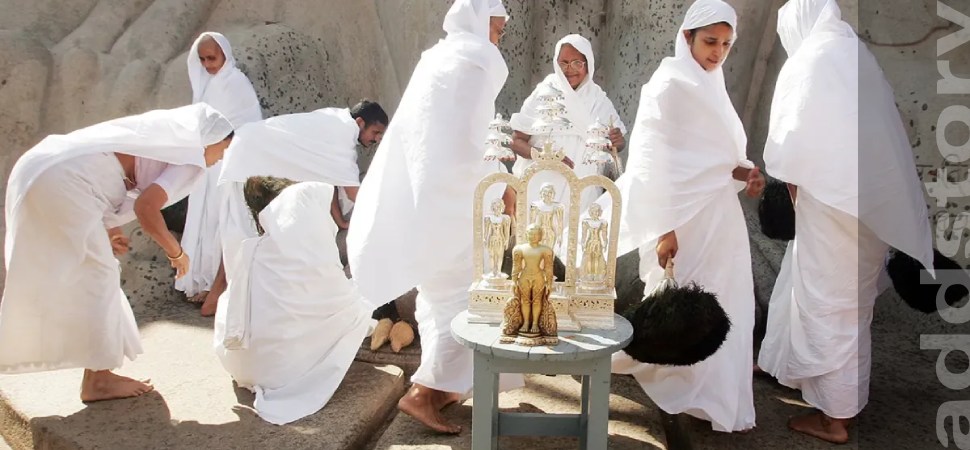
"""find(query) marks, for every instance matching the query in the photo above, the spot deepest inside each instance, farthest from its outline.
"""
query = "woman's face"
(595, 211)
(547, 193)
(710, 45)
(573, 65)
(215, 152)
(211, 56)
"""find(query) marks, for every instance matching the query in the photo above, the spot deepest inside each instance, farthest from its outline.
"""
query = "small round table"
(586, 353)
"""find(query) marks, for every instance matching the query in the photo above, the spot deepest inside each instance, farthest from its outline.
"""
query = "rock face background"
(68, 64)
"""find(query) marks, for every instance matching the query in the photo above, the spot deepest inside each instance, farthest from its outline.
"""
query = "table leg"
(484, 405)
(597, 402)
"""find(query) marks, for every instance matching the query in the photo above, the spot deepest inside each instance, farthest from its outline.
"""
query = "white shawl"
(686, 143)
(228, 91)
(310, 318)
(173, 136)
(314, 146)
(584, 105)
(414, 211)
(818, 133)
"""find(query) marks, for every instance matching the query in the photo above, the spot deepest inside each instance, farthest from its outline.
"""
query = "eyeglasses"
(576, 64)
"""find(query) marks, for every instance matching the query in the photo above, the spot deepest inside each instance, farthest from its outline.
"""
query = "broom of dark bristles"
(904, 271)
(776, 212)
(678, 326)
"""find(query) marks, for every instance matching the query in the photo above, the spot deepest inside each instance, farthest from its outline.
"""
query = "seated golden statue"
(529, 316)
(497, 229)
(593, 266)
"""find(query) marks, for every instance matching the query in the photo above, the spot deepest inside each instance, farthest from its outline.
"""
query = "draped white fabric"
(412, 221)
(302, 319)
(833, 108)
(585, 105)
(687, 141)
(63, 306)
(232, 94)
(316, 146)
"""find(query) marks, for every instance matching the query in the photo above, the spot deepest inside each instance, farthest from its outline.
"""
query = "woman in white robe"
(680, 200)
(833, 108)
(63, 306)
(413, 220)
(293, 321)
(316, 146)
(586, 103)
(215, 80)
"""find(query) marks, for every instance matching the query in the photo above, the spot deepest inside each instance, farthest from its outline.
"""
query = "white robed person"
(680, 201)
(215, 80)
(586, 104)
(67, 197)
(413, 219)
(290, 323)
(319, 145)
(833, 108)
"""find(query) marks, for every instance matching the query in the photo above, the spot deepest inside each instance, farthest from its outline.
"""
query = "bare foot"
(819, 425)
(198, 298)
(443, 399)
(419, 403)
(104, 385)
(210, 304)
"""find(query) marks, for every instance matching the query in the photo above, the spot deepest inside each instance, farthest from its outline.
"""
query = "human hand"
(666, 248)
(119, 244)
(616, 138)
(755, 183)
(568, 162)
(180, 264)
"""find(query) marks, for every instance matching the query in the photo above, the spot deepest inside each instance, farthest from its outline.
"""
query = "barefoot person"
(215, 80)
(316, 146)
(413, 218)
(680, 199)
(63, 306)
(832, 109)
(290, 324)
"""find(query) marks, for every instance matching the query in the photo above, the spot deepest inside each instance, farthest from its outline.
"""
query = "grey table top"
(573, 345)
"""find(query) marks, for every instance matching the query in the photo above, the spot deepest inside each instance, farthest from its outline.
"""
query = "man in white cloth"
(833, 108)
(687, 164)
(215, 80)
(293, 321)
(316, 146)
(413, 218)
(63, 306)
(586, 103)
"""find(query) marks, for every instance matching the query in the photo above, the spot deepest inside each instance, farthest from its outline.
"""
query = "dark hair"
(371, 112)
(230, 135)
(260, 191)
(692, 32)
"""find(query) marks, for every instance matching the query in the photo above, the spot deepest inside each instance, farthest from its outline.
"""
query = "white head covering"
(228, 91)
(686, 142)
(832, 108)
(584, 105)
(798, 19)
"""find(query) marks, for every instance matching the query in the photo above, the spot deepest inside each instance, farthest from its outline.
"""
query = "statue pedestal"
(575, 311)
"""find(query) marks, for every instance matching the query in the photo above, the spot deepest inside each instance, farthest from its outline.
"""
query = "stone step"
(195, 403)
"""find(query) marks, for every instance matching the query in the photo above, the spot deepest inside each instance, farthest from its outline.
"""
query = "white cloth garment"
(413, 222)
(63, 306)
(818, 337)
(301, 316)
(687, 141)
(314, 146)
(585, 105)
(232, 94)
